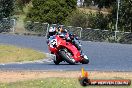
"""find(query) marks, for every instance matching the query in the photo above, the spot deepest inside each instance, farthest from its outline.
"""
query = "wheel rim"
(69, 55)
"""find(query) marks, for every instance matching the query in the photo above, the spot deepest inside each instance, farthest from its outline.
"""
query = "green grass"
(53, 83)
(15, 54)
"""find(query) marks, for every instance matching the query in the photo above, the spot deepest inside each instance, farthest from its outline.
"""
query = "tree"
(87, 2)
(51, 11)
(21, 3)
(88, 20)
(100, 3)
(125, 15)
(6, 8)
(104, 3)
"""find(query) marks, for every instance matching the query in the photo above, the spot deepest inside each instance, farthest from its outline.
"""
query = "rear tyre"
(85, 60)
(67, 56)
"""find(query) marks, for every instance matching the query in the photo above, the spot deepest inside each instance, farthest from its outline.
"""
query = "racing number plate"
(53, 42)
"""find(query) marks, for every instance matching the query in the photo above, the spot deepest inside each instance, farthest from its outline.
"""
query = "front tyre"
(56, 62)
(67, 56)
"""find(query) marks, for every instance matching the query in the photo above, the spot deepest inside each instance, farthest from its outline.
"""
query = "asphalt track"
(103, 56)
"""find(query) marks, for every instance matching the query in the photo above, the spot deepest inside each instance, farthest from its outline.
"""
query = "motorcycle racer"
(51, 34)
(63, 33)
(72, 37)
(68, 36)
(60, 43)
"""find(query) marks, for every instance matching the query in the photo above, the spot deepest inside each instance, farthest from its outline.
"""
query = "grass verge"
(15, 54)
(53, 83)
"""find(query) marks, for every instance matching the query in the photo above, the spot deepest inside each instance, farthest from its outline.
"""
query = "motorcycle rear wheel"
(85, 60)
(67, 56)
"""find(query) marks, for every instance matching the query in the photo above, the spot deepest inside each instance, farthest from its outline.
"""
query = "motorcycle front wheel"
(57, 61)
(67, 56)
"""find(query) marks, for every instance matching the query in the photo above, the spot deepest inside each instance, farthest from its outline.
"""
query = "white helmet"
(52, 31)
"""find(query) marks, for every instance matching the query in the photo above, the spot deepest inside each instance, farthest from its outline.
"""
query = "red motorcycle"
(65, 51)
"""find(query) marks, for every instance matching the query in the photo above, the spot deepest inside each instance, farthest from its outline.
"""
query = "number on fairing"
(53, 42)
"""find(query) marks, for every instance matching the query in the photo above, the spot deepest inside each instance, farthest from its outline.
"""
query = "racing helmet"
(61, 29)
(52, 31)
